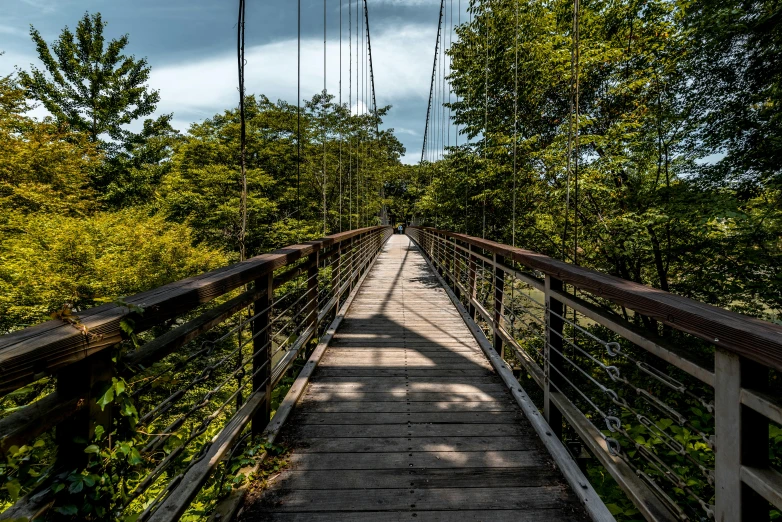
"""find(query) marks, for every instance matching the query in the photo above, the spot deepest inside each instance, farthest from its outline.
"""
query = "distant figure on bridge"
(401, 228)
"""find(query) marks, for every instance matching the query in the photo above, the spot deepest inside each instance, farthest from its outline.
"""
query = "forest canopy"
(92, 211)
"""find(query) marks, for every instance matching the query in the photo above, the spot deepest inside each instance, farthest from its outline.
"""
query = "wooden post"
(499, 292)
(262, 351)
(336, 278)
(554, 335)
(89, 378)
(352, 260)
(472, 283)
(312, 290)
(741, 438)
(457, 271)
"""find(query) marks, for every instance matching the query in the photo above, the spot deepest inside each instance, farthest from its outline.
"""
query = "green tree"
(88, 83)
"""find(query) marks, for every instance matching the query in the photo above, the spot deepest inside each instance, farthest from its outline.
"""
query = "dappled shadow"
(405, 416)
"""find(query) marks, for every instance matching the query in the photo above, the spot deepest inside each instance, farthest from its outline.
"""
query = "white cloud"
(200, 87)
(12, 30)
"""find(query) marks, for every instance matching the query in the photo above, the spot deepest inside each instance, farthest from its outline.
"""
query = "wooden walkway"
(404, 419)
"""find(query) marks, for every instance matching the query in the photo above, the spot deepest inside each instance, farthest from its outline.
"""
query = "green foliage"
(652, 201)
(54, 259)
(89, 84)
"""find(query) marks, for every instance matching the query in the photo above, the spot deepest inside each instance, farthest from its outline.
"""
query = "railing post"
(472, 283)
(351, 261)
(262, 351)
(312, 289)
(336, 276)
(499, 292)
(741, 438)
(90, 378)
(554, 336)
(457, 271)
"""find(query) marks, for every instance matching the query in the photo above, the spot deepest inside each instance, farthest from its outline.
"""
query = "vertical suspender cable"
(339, 120)
(350, 115)
(485, 119)
(467, 163)
(325, 98)
(242, 154)
(298, 117)
(360, 201)
(577, 51)
(574, 80)
(450, 38)
(242, 134)
(515, 116)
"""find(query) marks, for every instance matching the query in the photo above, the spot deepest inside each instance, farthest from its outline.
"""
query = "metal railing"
(670, 395)
(200, 361)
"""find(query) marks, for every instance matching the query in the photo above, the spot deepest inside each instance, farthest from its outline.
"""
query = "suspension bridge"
(430, 375)
(438, 376)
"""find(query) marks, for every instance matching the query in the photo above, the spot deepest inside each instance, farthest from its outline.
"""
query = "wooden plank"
(434, 372)
(473, 417)
(412, 385)
(425, 459)
(368, 406)
(335, 395)
(414, 444)
(417, 478)
(753, 338)
(496, 515)
(765, 481)
(453, 499)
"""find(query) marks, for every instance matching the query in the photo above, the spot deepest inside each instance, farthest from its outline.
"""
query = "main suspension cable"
(431, 85)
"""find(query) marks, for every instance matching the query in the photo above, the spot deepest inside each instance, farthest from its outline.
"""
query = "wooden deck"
(405, 419)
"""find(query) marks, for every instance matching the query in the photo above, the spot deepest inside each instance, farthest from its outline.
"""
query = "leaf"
(68, 510)
(92, 448)
(76, 486)
(13, 487)
(106, 399)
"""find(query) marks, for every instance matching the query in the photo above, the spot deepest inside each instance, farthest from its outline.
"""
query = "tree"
(90, 85)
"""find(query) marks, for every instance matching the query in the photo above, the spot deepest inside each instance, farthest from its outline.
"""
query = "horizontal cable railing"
(160, 390)
(670, 395)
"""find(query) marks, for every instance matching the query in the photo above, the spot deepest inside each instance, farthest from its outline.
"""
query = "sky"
(191, 48)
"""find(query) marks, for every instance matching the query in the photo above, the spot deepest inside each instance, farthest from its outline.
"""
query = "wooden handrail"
(51, 346)
(62, 349)
(755, 339)
(587, 388)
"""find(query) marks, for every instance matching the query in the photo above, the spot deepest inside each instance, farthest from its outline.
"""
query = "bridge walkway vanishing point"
(405, 419)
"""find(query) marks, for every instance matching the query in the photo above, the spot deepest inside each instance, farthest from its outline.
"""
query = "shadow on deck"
(405, 419)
